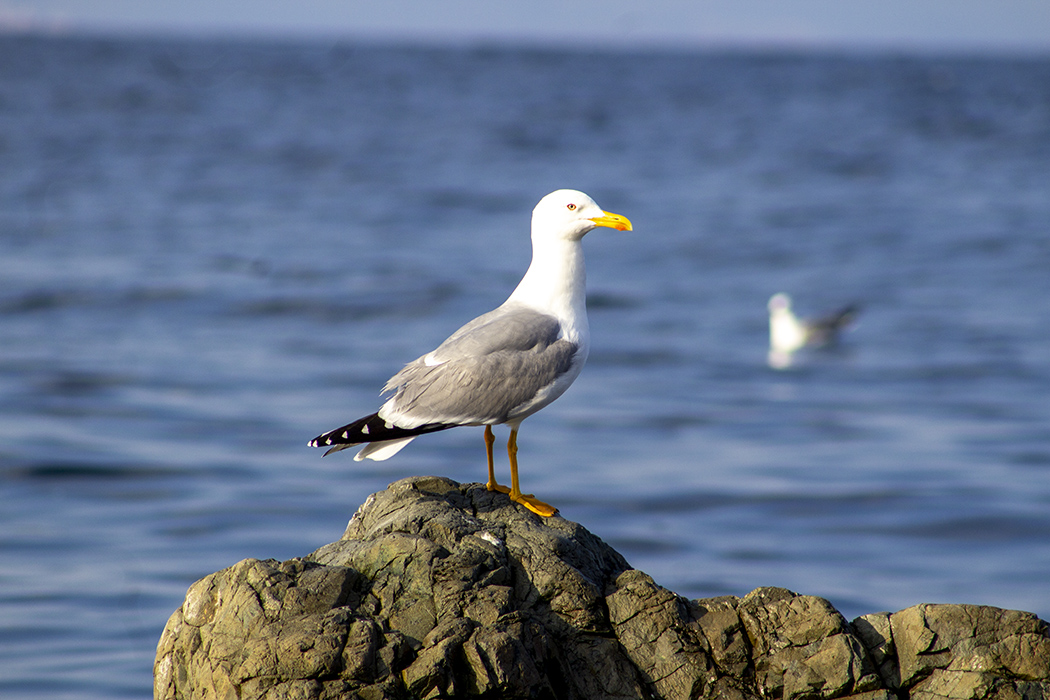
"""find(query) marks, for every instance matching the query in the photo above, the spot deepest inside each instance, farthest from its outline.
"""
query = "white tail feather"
(384, 449)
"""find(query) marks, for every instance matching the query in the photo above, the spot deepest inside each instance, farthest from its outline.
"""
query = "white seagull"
(504, 365)
(788, 333)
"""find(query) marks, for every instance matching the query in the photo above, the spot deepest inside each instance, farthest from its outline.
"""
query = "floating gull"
(504, 365)
(788, 333)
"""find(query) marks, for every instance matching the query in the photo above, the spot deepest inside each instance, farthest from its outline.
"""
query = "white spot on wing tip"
(364, 431)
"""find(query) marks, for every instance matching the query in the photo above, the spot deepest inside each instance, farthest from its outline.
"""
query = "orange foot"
(534, 504)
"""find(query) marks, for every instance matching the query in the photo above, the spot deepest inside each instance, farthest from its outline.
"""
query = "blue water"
(211, 252)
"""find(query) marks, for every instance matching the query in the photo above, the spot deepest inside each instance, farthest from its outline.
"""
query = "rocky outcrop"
(445, 590)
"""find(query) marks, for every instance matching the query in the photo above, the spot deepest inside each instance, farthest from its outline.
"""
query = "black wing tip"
(369, 429)
(350, 434)
(847, 315)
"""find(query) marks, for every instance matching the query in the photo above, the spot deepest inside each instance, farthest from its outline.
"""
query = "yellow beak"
(620, 223)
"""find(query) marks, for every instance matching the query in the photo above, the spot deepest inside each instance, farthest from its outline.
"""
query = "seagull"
(788, 333)
(504, 365)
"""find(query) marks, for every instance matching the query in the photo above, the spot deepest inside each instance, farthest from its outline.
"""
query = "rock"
(445, 590)
(802, 647)
(970, 651)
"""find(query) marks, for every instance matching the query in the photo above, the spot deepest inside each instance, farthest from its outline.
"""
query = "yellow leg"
(528, 500)
(492, 485)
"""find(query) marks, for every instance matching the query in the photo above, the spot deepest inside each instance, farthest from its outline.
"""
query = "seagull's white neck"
(556, 283)
(786, 333)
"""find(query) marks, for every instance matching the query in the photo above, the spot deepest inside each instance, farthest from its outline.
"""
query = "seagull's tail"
(372, 429)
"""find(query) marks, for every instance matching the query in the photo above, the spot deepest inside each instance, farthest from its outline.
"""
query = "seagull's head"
(779, 303)
(570, 214)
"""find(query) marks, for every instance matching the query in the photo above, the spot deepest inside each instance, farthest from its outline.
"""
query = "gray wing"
(489, 367)
(512, 327)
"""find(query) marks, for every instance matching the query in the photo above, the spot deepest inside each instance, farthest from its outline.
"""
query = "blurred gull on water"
(788, 333)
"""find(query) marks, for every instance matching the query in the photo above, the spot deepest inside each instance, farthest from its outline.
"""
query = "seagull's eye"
(571, 207)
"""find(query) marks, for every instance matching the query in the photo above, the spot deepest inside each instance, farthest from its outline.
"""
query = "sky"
(973, 26)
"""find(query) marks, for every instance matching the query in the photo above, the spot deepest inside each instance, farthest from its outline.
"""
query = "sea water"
(212, 251)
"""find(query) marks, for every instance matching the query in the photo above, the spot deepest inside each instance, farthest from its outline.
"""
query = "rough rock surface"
(445, 590)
